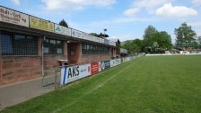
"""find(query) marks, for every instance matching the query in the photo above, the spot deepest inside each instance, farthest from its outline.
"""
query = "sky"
(123, 19)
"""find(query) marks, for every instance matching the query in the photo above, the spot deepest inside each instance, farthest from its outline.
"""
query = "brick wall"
(52, 61)
(19, 70)
(93, 58)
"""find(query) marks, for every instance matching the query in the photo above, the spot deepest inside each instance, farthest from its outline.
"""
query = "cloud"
(196, 2)
(169, 11)
(195, 24)
(123, 20)
(131, 11)
(148, 5)
(16, 2)
(75, 4)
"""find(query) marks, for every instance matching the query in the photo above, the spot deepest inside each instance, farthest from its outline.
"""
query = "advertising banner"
(97, 39)
(70, 74)
(105, 65)
(76, 33)
(112, 63)
(101, 40)
(118, 61)
(14, 17)
(41, 24)
(126, 59)
(106, 41)
(62, 30)
(94, 67)
(85, 36)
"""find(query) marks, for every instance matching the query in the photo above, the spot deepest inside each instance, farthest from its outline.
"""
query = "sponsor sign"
(96, 39)
(106, 41)
(112, 63)
(41, 24)
(126, 59)
(94, 67)
(85, 36)
(14, 17)
(118, 61)
(101, 40)
(105, 65)
(70, 74)
(62, 30)
(76, 33)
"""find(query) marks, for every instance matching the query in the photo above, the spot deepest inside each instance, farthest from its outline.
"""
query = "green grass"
(158, 84)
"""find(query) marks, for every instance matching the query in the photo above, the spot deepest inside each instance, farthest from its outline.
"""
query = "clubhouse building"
(29, 45)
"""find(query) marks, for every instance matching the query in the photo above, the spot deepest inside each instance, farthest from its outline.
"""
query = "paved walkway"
(18, 92)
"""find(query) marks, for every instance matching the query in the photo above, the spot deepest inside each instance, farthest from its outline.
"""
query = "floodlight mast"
(104, 32)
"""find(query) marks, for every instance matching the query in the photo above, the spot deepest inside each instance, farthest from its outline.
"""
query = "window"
(18, 44)
(84, 48)
(6, 44)
(94, 49)
(53, 47)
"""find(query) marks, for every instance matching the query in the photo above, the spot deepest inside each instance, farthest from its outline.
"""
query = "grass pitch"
(154, 84)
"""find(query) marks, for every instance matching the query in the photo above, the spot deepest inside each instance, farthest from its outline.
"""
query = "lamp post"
(104, 31)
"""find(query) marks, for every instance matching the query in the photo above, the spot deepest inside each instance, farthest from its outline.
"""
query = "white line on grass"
(97, 87)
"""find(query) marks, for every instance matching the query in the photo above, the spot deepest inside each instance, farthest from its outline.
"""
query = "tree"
(199, 42)
(148, 35)
(100, 35)
(163, 39)
(63, 23)
(184, 35)
(156, 42)
(134, 46)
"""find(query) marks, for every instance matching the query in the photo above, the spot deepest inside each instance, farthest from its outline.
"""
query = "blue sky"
(123, 19)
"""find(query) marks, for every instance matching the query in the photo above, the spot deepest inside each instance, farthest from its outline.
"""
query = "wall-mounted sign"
(94, 67)
(13, 17)
(76, 33)
(105, 65)
(62, 30)
(70, 74)
(106, 41)
(85, 36)
(41, 24)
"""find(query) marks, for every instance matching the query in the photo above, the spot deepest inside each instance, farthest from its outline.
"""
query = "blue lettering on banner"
(83, 70)
(65, 69)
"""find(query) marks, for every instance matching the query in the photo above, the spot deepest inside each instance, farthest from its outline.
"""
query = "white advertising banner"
(118, 61)
(97, 39)
(112, 63)
(70, 74)
(14, 17)
(85, 36)
(101, 40)
(126, 59)
(62, 30)
(76, 33)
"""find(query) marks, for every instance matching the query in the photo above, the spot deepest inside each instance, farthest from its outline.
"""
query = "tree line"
(155, 41)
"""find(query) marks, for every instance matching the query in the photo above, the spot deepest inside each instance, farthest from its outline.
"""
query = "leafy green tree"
(156, 42)
(148, 35)
(101, 35)
(199, 42)
(163, 39)
(63, 23)
(184, 35)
